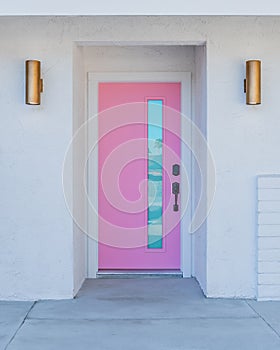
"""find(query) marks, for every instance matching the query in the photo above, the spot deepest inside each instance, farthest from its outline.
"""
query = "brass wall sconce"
(33, 82)
(252, 83)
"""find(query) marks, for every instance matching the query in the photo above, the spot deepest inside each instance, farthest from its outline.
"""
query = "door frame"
(94, 78)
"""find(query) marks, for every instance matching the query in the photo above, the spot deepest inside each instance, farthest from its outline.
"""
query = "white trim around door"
(92, 220)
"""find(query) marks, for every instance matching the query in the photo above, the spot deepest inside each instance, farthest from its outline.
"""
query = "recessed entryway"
(151, 64)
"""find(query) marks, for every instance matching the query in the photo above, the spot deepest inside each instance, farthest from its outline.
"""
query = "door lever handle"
(175, 191)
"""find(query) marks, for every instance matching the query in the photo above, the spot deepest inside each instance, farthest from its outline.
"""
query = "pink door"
(139, 175)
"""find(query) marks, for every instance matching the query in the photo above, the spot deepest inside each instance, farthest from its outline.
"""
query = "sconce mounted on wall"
(252, 83)
(33, 82)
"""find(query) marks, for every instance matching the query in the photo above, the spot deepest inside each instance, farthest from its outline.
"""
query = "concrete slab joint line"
(21, 324)
(264, 320)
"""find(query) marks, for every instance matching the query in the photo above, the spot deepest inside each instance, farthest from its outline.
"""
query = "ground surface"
(140, 314)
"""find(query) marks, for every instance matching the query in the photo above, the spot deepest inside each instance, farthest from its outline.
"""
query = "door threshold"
(139, 274)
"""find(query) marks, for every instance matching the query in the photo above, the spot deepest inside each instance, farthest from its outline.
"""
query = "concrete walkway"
(140, 314)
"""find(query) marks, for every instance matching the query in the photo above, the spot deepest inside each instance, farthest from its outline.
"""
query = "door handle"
(176, 191)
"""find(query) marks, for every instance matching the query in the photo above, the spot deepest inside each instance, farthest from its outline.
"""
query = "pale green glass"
(155, 136)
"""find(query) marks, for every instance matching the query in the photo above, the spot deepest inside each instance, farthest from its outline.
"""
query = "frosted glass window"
(155, 137)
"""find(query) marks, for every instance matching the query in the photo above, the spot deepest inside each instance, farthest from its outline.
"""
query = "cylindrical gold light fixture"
(33, 82)
(252, 83)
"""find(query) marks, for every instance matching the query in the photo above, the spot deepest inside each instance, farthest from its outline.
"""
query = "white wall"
(244, 140)
(36, 248)
(79, 154)
(144, 7)
(138, 58)
(198, 170)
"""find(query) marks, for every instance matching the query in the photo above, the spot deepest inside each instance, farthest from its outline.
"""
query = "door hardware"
(175, 191)
(176, 169)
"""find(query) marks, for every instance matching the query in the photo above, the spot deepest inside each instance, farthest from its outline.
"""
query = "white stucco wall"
(199, 117)
(144, 7)
(36, 248)
(79, 154)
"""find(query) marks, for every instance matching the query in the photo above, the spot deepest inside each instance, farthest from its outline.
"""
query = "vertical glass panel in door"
(155, 138)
